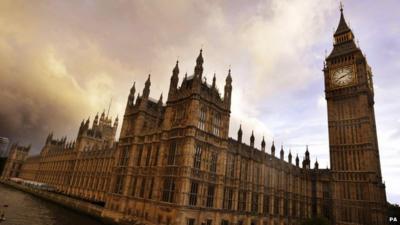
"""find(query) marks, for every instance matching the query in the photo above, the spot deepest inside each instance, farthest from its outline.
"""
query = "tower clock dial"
(342, 76)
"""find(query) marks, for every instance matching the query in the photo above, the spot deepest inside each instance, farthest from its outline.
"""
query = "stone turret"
(146, 89)
(131, 97)
(240, 134)
(273, 149)
(173, 86)
(198, 69)
(252, 139)
(306, 161)
(263, 145)
(316, 165)
(228, 89)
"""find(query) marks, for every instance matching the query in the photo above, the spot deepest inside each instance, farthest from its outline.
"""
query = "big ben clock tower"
(358, 192)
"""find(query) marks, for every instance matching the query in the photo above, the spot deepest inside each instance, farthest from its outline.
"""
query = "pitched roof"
(342, 49)
(342, 27)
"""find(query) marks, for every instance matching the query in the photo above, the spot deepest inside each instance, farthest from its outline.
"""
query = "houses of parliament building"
(174, 163)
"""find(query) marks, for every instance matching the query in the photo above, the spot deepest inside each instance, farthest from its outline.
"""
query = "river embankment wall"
(80, 206)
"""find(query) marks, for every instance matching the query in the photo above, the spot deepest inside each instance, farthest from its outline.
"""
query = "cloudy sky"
(62, 61)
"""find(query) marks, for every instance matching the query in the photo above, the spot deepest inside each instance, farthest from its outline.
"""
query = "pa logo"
(392, 219)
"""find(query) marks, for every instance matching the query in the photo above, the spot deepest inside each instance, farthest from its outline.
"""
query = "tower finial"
(252, 139)
(263, 144)
(146, 90)
(229, 77)
(175, 71)
(342, 27)
(240, 133)
(133, 88)
(341, 6)
(273, 148)
(214, 79)
(198, 69)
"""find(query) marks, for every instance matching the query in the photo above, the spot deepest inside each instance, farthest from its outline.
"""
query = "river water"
(26, 209)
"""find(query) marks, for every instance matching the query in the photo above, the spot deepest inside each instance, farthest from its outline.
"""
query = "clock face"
(342, 76)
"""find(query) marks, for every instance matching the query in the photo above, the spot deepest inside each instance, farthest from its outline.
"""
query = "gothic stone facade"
(80, 168)
(16, 158)
(175, 164)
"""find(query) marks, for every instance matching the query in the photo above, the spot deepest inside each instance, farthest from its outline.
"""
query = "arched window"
(172, 154)
(216, 124)
(197, 157)
(202, 118)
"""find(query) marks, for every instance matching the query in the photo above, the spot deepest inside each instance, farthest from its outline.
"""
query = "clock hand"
(342, 77)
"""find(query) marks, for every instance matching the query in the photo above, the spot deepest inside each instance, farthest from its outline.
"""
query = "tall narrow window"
(171, 153)
(168, 190)
(139, 155)
(230, 166)
(191, 221)
(133, 186)
(155, 162)
(266, 204)
(230, 199)
(118, 184)
(210, 196)
(213, 165)
(242, 201)
(148, 155)
(124, 156)
(285, 207)
(197, 157)
(254, 202)
(224, 222)
(276, 206)
(225, 199)
(258, 173)
(151, 188)
(142, 187)
(302, 210)
(193, 193)
(202, 118)
(216, 124)
(294, 208)
(244, 168)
